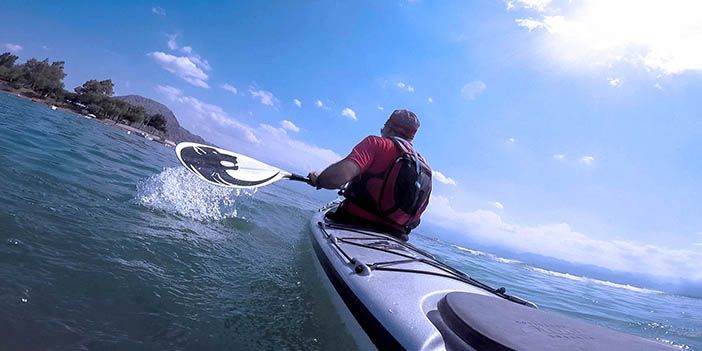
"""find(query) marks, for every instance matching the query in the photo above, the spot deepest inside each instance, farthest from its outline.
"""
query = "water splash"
(177, 191)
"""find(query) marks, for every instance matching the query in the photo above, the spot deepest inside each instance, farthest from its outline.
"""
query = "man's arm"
(335, 175)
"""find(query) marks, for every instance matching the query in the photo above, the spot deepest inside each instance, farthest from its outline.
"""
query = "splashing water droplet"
(175, 190)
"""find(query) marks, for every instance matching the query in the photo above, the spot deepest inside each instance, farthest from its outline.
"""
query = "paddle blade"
(226, 168)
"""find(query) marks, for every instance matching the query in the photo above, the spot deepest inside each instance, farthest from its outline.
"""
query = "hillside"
(174, 131)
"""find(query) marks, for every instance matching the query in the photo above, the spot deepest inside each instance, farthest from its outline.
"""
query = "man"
(389, 182)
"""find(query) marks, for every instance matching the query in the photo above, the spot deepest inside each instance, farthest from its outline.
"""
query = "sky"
(569, 129)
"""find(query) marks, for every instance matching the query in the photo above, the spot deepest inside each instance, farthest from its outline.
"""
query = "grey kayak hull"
(405, 299)
(391, 306)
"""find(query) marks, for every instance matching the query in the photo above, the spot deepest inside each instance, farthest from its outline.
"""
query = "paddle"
(229, 169)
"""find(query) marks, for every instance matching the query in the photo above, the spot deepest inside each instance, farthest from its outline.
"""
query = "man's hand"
(313, 179)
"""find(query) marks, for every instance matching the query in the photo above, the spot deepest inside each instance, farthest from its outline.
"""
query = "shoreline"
(63, 106)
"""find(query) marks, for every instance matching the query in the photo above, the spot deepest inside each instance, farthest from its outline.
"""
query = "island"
(42, 82)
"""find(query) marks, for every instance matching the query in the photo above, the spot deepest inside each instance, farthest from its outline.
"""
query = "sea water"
(107, 243)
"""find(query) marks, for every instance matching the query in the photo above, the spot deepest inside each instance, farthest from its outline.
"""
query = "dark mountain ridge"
(174, 131)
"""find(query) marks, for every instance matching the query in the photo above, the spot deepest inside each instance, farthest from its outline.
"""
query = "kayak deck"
(388, 285)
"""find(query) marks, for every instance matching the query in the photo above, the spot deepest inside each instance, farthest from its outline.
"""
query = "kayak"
(395, 296)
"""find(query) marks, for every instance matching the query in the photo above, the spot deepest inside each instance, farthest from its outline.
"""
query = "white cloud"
(297, 103)
(289, 126)
(264, 142)
(430, 100)
(658, 86)
(380, 108)
(206, 114)
(404, 86)
(281, 150)
(539, 5)
(159, 11)
(172, 43)
(181, 66)
(587, 160)
(615, 82)
(471, 90)
(197, 82)
(511, 140)
(264, 97)
(559, 157)
(498, 205)
(12, 47)
(45, 47)
(200, 62)
(319, 103)
(529, 24)
(441, 178)
(230, 88)
(560, 241)
(193, 57)
(660, 36)
(349, 113)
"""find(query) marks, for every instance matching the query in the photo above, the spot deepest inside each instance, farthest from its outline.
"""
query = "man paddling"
(389, 183)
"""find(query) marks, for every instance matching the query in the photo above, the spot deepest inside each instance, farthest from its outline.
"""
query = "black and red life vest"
(404, 194)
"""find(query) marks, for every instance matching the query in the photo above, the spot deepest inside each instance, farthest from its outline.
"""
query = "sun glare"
(661, 36)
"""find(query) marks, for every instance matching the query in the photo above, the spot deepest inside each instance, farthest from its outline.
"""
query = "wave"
(582, 279)
(595, 281)
(625, 286)
(177, 191)
(470, 251)
(491, 256)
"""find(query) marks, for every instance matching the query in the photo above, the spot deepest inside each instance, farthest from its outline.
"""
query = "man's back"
(374, 193)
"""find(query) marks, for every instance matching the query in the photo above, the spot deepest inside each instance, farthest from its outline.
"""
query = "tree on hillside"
(113, 108)
(7, 60)
(97, 94)
(8, 71)
(43, 77)
(157, 121)
(135, 114)
(94, 87)
(95, 109)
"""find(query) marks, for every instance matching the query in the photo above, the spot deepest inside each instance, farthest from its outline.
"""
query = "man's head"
(402, 123)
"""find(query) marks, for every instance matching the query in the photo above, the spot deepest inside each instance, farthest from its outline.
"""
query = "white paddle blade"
(226, 168)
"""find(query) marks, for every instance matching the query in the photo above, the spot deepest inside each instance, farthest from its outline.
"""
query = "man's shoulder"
(376, 141)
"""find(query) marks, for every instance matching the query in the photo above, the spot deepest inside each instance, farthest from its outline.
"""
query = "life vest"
(398, 196)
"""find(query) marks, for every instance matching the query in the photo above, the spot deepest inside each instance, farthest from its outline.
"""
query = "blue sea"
(106, 243)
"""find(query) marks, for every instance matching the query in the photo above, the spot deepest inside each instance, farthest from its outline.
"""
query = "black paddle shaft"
(299, 178)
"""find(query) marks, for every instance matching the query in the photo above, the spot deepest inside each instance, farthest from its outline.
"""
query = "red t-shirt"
(374, 154)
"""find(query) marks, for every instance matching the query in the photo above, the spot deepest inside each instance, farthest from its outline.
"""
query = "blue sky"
(569, 129)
